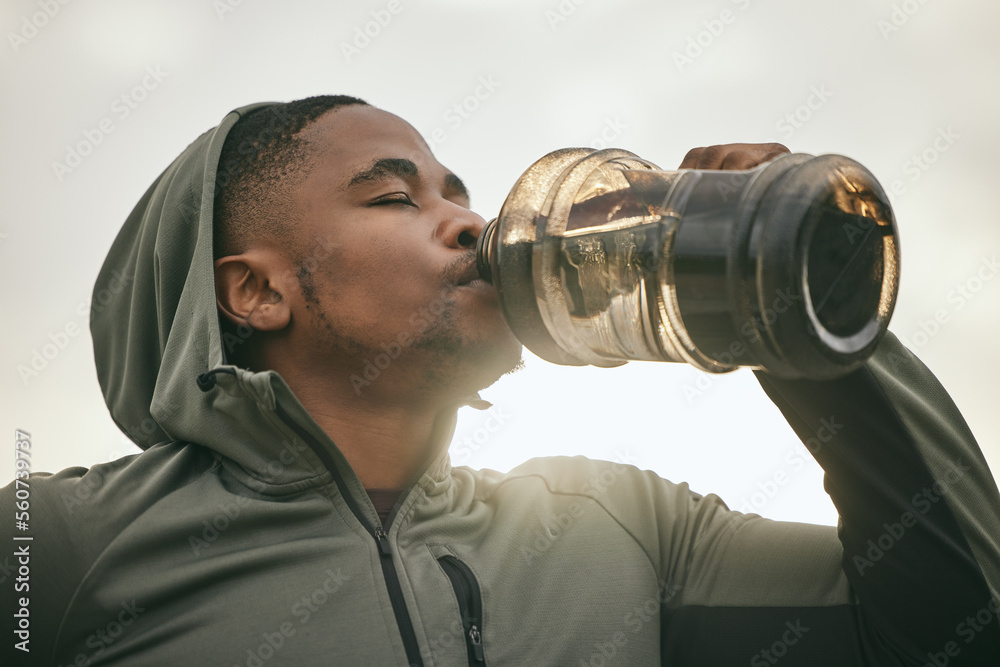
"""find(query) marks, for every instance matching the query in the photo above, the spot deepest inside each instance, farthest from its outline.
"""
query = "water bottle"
(600, 257)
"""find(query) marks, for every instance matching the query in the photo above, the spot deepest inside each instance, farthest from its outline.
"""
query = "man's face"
(386, 259)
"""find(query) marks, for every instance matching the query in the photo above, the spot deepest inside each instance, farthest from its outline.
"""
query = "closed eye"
(394, 198)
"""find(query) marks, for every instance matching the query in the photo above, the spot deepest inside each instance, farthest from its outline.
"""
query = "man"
(285, 513)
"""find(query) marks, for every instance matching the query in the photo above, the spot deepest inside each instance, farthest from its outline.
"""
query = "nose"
(460, 228)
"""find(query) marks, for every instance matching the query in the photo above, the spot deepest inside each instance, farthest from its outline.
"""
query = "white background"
(561, 75)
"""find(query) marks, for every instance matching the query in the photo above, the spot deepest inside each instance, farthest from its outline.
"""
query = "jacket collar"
(276, 447)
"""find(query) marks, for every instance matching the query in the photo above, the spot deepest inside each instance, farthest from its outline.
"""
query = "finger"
(732, 156)
(749, 159)
(711, 157)
(773, 147)
(747, 156)
(691, 158)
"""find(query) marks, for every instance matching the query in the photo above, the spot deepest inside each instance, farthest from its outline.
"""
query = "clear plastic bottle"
(599, 257)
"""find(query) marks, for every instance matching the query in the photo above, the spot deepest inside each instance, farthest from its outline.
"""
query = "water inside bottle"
(607, 274)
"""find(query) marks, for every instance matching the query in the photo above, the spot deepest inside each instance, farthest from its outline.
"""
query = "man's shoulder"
(574, 475)
(69, 519)
(105, 496)
(606, 496)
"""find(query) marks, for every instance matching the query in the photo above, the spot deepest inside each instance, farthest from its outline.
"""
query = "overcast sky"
(909, 89)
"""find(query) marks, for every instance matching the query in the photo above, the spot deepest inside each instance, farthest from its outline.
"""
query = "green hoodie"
(241, 535)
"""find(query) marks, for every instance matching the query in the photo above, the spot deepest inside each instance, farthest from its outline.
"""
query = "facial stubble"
(456, 360)
(450, 360)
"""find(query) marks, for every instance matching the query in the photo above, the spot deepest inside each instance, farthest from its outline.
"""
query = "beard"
(443, 352)
(457, 361)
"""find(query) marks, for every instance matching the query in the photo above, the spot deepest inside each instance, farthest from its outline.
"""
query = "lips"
(468, 278)
(478, 283)
(468, 275)
(462, 272)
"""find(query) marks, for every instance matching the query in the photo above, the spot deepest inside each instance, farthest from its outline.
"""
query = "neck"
(384, 431)
(385, 445)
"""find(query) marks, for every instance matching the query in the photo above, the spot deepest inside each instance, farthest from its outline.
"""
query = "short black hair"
(261, 158)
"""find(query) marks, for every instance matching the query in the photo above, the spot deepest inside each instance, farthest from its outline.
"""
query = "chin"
(502, 360)
(480, 365)
(467, 351)
(468, 366)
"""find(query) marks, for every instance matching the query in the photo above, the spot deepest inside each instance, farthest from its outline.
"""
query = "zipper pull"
(383, 542)
(477, 643)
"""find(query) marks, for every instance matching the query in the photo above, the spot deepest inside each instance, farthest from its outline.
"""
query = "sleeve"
(42, 565)
(910, 576)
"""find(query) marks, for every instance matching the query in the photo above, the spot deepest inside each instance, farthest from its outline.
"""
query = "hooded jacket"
(241, 535)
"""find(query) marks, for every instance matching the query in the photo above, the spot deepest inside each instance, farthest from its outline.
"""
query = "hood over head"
(159, 348)
(154, 319)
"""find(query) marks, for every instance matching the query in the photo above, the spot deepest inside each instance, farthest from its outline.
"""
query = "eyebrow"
(389, 167)
(453, 182)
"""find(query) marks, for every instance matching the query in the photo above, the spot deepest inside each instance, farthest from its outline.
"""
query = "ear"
(250, 289)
